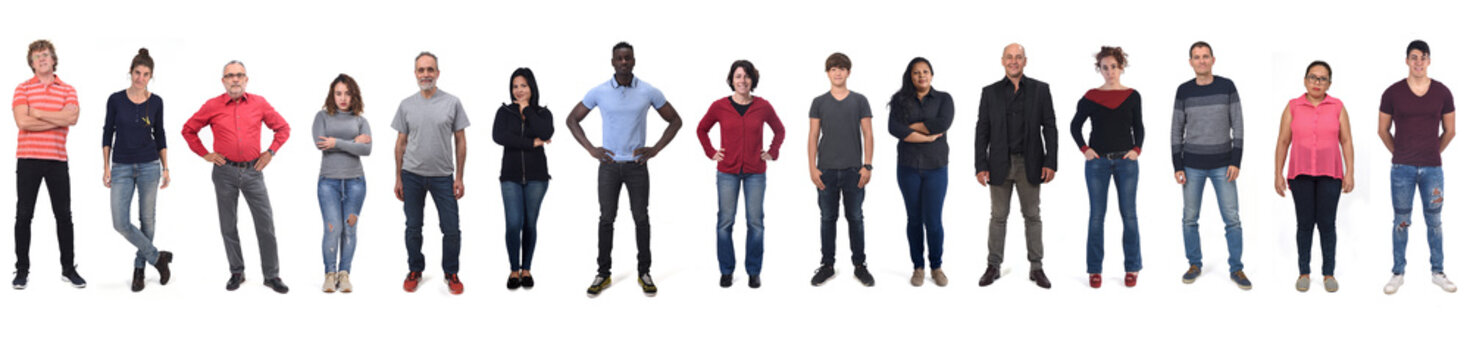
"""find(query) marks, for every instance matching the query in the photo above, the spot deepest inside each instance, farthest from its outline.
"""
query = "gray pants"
(229, 183)
(1000, 209)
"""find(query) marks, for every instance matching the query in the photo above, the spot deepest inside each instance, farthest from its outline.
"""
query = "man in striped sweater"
(1207, 135)
(45, 109)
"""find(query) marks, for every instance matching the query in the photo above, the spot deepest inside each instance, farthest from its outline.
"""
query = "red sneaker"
(1130, 279)
(1094, 280)
(411, 283)
(455, 287)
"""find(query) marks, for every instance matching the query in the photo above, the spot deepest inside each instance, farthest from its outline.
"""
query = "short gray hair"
(233, 62)
(426, 53)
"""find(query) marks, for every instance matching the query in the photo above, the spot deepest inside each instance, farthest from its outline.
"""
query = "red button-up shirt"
(236, 125)
(741, 135)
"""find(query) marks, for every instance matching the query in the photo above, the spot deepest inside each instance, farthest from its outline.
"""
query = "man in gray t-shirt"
(425, 122)
(841, 130)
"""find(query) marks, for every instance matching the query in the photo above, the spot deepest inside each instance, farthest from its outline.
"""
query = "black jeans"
(842, 187)
(1316, 206)
(611, 177)
(29, 174)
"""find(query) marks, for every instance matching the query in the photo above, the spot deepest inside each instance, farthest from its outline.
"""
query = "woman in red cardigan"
(742, 164)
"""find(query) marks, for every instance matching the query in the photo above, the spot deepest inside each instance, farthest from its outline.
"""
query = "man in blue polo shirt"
(624, 101)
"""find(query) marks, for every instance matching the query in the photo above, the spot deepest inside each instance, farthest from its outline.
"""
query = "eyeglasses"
(234, 76)
(41, 55)
(1319, 80)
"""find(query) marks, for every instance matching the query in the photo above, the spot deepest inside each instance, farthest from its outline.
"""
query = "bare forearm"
(65, 117)
(669, 133)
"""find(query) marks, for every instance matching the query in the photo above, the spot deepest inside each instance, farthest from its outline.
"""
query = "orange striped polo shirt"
(49, 144)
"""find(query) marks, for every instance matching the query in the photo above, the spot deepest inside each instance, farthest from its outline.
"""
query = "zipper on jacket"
(523, 153)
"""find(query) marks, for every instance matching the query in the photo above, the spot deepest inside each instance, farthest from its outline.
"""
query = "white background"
(294, 49)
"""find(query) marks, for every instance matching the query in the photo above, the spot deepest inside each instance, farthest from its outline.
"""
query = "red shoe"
(1094, 280)
(411, 283)
(1130, 279)
(455, 287)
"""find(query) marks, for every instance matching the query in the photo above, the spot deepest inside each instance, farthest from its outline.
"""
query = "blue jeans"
(1430, 181)
(1225, 195)
(1100, 172)
(842, 187)
(923, 198)
(415, 189)
(522, 207)
(341, 199)
(728, 186)
(144, 177)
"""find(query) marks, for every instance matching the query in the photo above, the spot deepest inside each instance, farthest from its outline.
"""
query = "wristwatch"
(273, 152)
(869, 167)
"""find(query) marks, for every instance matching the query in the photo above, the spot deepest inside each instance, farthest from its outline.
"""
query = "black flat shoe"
(277, 285)
(725, 280)
(235, 281)
(513, 283)
(137, 279)
(755, 281)
(164, 258)
(527, 282)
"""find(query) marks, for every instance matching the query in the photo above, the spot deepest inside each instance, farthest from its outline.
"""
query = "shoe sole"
(824, 281)
(18, 287)
(68, 281)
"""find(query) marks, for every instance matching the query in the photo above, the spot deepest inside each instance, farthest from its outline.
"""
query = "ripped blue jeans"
(1430, 182)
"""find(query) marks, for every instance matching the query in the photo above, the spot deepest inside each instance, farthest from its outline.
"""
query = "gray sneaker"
(918, 278)
(1303, 283)
(1330, 283)
(939, 277)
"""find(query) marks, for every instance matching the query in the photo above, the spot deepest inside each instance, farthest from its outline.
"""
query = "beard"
(426, 86)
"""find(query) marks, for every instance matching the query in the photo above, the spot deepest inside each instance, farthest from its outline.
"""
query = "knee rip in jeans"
(1402, 226)
(1438, 197)
(352, 220)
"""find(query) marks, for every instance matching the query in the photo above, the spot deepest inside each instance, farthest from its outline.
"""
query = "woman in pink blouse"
(1315, 128)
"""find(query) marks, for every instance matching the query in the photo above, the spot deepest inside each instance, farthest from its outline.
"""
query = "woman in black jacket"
(522, 127)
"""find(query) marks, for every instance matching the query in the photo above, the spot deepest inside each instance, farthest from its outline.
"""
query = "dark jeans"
(842, 186)
(29, 174)
(923, 198)
(522, 208)
(415, 189)
(1099, 173)
(230, 183)
(1316, 206)
(611, 177)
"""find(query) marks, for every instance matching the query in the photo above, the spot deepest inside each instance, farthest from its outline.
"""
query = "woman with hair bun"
(135, 157)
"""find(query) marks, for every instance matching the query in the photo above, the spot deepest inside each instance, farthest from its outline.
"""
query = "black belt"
(1114, 155)
(241, 164)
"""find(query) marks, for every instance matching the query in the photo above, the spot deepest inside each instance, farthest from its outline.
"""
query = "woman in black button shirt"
(919, 116)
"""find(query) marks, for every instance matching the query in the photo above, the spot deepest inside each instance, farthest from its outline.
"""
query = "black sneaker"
(137, 279)
(20, 280)
(646, 281)
(164, 258)
(235, 280)
(277, 285)
(599, 284)
(74, 278)
(726, 280)
(822, 274)
(755, 281)
(862, 275)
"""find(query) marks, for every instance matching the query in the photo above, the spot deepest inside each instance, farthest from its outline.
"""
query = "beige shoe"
(939, 278)
(343, 284)
(330, 285)
(918, 278)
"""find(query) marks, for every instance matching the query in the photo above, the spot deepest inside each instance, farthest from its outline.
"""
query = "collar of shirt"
(1326, 99)
(36, 79)
(244, 98)
(1012, 87)
(632, 84)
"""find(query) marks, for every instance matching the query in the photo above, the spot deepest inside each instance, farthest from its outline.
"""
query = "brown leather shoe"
(939, 278)
(918, 278)
(1040, 279)
(992, 272)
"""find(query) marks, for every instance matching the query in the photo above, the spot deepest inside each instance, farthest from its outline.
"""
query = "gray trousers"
(1000, 209)
(229, 183)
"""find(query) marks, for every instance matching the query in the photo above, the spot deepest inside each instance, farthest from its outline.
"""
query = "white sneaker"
(343, 284)
(330, 285)
(1393, 284)
(1444, 283)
